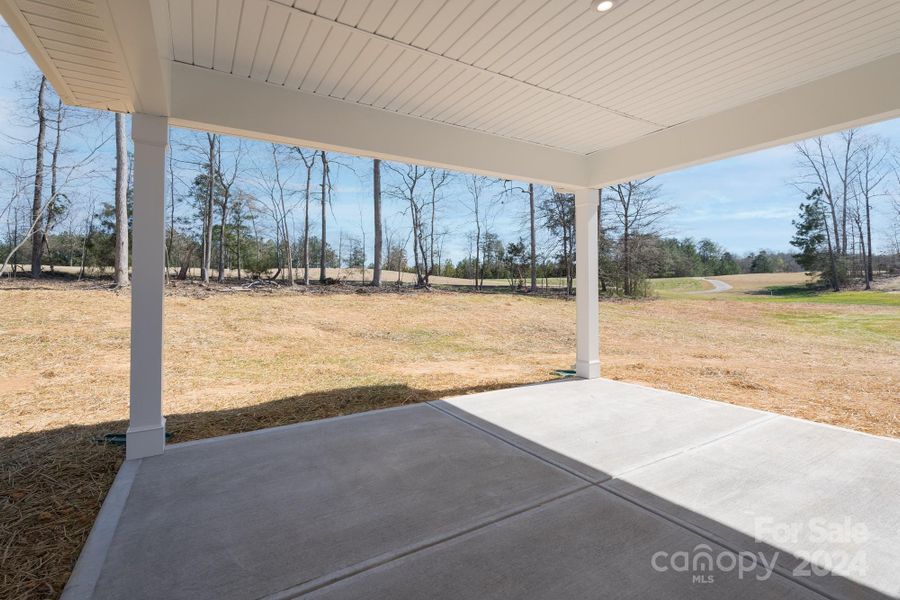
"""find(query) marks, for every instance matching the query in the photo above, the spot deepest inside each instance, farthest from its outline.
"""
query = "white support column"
(587, 311)
(147, 427)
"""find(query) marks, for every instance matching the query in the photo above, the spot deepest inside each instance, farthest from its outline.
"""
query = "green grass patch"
(678, 285)
(800, 293)
(862, 327)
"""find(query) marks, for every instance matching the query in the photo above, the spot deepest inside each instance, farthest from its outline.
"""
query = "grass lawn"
(796, 293)
(237, 361)
(673, 286)
(771, 287)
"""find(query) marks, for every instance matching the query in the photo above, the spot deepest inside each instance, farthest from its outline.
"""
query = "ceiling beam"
(213, 101)
(132, 27)
(859, 96)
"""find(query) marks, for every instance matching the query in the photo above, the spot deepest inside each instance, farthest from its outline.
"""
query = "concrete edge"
(302, 424)
(298, 425)
(757, 410)
(83, 580)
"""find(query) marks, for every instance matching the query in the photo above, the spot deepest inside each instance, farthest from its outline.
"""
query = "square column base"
(587, 369)
(141, 442)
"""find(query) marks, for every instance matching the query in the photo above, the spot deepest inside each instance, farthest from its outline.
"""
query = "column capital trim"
(586, 197)
(150, 129)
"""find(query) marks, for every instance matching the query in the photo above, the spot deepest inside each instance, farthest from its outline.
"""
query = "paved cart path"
(718, 286)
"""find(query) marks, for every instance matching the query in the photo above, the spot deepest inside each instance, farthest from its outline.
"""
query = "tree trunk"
(222, 235)
(54, 165)
(289, 251)
(600, 240)
(322, 254)
(477, 253)
(868, 259)
(186, 265)
(121, 203)
(37, 208)
(306, 223)
(533, 232)
(862, 251)
(171, 241)
(84, 242)
(207, 225)
(831, 251)
(376, 195)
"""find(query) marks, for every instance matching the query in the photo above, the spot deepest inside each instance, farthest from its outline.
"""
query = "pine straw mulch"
(54, 481)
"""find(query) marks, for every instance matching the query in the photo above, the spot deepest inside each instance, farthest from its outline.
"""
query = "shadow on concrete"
(816, 578)
(54, 480)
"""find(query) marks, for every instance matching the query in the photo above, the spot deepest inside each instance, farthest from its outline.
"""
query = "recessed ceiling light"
(603, 6)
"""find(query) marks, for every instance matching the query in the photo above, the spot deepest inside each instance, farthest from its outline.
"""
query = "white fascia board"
(213, 101)
(851, 98)
(10, 12)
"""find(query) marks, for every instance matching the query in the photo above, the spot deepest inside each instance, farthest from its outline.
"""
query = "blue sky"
(744, 203)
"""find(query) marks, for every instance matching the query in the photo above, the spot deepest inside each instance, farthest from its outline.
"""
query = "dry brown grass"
(241, 361)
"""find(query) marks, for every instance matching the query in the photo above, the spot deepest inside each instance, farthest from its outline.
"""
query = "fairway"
(775, 287)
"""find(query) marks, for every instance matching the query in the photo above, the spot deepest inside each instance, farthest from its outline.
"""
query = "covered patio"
(571, 489)
(563, 490)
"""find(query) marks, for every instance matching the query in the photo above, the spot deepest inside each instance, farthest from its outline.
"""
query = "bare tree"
(409, 188)
(309, 161)
(438, 178)
(481, 206)
(170, 240)
(53, 208)
(872, 171)
(323, 242)
(376, 199)
(279, 193)
(72, 172)
(121, 254)
(558, 213)
(817, 173)
(226, 183)
(638, 211)
(532, 231)
(831, 166)
(212, 139)
(37, 208)
(843, 162)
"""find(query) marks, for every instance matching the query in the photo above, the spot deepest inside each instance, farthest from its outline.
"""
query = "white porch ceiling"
(573, 95)
(553, 73)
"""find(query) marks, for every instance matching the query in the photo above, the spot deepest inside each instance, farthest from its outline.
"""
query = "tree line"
(850, 183)
(245, 210)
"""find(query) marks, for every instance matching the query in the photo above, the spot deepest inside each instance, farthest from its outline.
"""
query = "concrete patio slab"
(590, 544)
(493, 496)
(246, 516)
(802, 490)
(600, 428)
